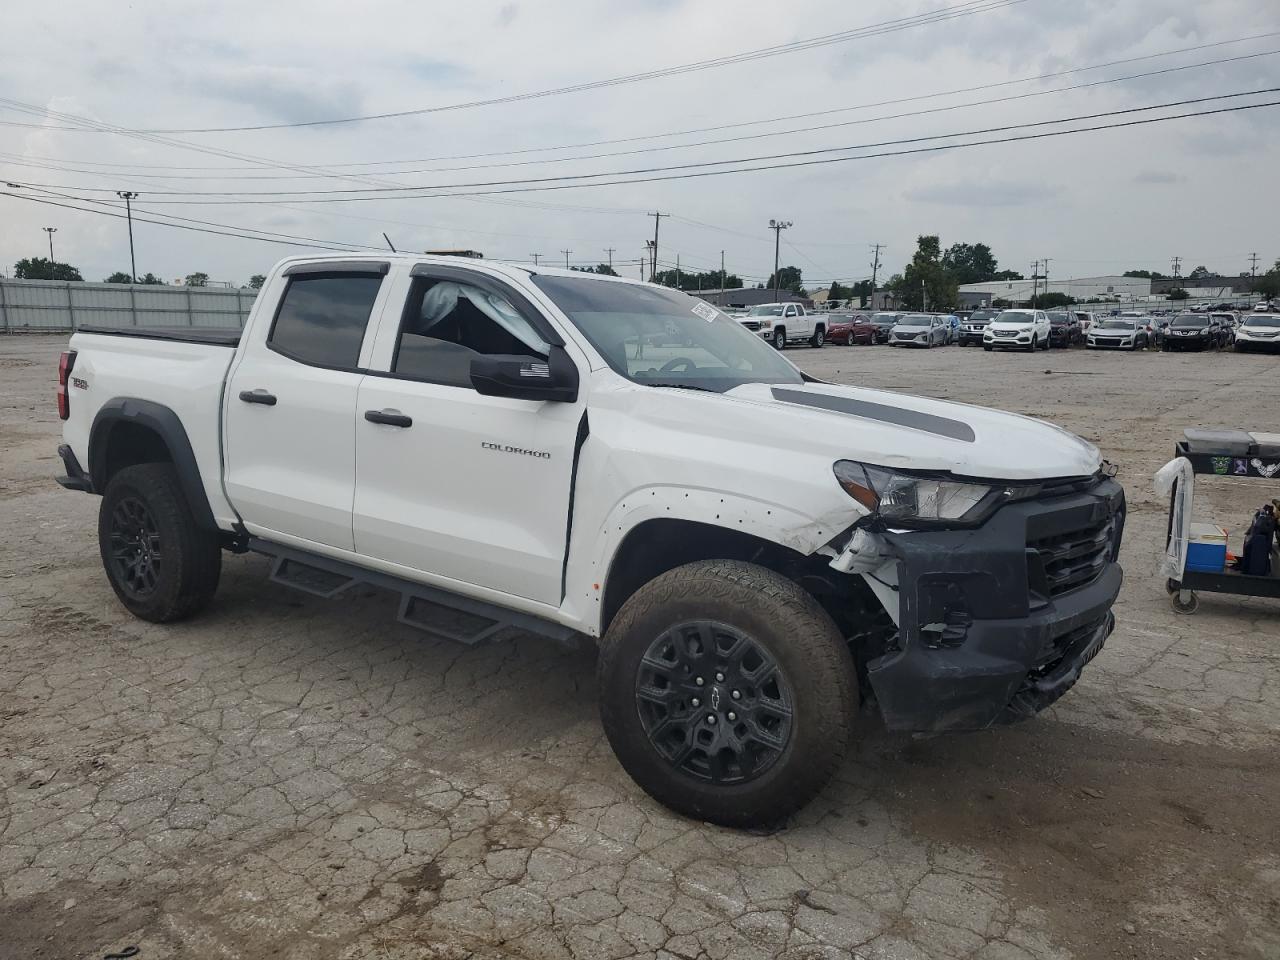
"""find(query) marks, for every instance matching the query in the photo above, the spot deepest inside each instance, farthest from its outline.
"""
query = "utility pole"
(924, 297)
(128, 196)
(1177, 267)
(1253, 272)
(50, 231)
(566, 258)
(677, 271)
(535, 258)
(723, 280)
(1046, 275)
(657, 219)
(644, 259)
(609, 251)
(875, 269)
(777, 226)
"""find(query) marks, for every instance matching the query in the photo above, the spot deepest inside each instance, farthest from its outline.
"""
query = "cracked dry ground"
(296, 778)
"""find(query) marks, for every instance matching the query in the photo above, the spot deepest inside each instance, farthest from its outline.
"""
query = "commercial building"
(1083, 289)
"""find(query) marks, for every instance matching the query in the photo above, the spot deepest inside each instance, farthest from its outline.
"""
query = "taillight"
(65, 363)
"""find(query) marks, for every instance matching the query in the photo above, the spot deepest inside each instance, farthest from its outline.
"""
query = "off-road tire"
(191, 560)
(809, 650)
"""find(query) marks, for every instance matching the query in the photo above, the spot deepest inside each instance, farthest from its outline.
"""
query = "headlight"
(1026, 329)
(902, 498)
(766, 324)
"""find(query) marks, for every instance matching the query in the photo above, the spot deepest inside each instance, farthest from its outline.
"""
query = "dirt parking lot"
(288, 777)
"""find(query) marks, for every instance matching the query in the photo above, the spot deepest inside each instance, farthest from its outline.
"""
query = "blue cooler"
(1207, 550)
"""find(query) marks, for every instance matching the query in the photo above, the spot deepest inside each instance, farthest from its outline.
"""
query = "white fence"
(35, 306)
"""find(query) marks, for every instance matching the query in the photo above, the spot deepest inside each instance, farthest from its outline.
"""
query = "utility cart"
(1196, 553)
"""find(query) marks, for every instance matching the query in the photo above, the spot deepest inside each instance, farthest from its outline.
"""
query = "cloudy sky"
(91, 95)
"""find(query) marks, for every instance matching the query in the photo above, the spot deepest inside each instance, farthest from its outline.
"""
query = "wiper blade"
(679, 386)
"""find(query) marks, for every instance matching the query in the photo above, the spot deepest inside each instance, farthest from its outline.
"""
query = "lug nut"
(696, 702)
(719, 678)
(711, 719)
(699, 681)
(737, 694)
(732, 715)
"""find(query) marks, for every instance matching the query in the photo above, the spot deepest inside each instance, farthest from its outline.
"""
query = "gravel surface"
(289, 777)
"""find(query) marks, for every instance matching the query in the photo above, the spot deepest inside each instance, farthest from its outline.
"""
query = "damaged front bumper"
(996, 623)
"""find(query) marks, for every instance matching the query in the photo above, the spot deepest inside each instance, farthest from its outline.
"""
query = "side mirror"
(526, 378)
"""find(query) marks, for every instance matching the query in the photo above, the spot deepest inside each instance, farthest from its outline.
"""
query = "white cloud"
(239, 63)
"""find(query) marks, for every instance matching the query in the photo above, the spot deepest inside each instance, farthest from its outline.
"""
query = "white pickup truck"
(756, 551)
(784, 323)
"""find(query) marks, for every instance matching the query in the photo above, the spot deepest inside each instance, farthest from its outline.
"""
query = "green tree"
(970, 262)
(197, 279)
(256, 281)
(1144, 274)
(862, 290)
(924, 281)
(151, 280)
(1007, 275)
(790, 279)
(1177, 293)
(839, 291)
(119, 277)
(1268, 284)
(602, 268)
(1199, 273)
(693, 282)
(42, 268)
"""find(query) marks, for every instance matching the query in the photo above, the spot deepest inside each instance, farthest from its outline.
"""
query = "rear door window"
(322, 318)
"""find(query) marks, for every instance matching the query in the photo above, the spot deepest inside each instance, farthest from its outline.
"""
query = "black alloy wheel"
(137, 552)
(714, 702)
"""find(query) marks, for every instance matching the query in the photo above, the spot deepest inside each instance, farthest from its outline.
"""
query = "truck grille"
(1075, 559)
(750, 324)
(1006, 333)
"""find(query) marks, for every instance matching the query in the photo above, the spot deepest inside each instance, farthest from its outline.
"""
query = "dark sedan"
(884, 322)
(848, 330)
(1064, 329)
(1195, 331)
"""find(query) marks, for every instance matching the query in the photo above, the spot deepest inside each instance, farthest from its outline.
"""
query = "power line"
(61, 166)
(317, 196)
(941, 15)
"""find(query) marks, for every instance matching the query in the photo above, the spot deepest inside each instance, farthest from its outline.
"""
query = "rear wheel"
(727, 692)
(162, 565)
(818, 338)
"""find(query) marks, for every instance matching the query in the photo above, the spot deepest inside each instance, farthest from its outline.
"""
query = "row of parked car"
(1021, 329)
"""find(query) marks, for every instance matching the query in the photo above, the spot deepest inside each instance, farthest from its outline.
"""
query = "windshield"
(1190, 320)
(1016, 316)
(885, 319)
(915, 320)
(1115, 325)
(982, 315)
(663, 337)
(766, 310)
(1058, 319)
(1262, 322)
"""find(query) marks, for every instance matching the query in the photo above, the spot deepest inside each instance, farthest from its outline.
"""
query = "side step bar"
(448, 616)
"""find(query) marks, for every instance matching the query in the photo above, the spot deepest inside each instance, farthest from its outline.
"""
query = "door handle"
(392, 418)
(258, 396)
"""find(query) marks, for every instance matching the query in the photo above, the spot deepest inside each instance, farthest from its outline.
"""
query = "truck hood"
(896, 430)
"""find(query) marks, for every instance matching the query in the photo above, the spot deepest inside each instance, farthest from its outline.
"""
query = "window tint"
(446, 324)
(322, 318)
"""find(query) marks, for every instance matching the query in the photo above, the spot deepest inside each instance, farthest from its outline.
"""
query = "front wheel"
(162, 564)
(779, 340)
(986, 348)
(727, 692)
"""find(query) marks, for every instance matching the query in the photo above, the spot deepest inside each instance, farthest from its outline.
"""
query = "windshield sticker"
(706, 312)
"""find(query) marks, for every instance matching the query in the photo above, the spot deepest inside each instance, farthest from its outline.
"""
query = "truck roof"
(510, 269)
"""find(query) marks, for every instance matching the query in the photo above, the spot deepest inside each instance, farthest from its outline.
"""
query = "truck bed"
(211, 336)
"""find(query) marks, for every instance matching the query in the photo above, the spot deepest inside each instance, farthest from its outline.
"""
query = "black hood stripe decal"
(941, 426)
